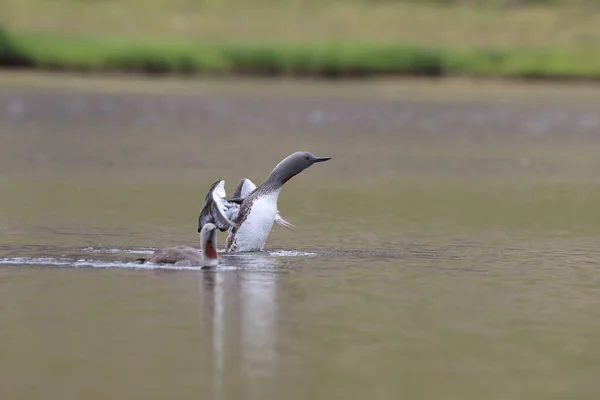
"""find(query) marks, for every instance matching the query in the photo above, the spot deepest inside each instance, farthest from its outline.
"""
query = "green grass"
(329, 38)
(341, 59)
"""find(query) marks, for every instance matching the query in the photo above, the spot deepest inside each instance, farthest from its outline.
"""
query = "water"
(448, 250)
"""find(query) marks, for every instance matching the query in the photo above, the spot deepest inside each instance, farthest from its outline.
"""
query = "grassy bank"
(325, 38)
(335, 59)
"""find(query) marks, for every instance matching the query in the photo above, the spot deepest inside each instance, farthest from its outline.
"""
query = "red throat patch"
(210, 250)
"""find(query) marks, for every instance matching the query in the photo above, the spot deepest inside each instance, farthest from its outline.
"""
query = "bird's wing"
(243, 189)
(283, 222)
(216, 209)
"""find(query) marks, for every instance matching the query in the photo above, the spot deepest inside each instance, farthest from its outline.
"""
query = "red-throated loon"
(189, 256)
(250, 213)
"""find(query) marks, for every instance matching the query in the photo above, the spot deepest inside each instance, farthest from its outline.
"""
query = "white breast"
(253, 233)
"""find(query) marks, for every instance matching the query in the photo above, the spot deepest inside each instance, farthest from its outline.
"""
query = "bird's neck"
(275, 180)
(209, 251)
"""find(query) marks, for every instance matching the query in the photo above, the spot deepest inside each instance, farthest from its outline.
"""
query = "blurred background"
(521, 38)
(448, 250)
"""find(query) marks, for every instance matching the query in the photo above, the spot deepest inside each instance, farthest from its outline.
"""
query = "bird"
(186, 256)
(251, 211)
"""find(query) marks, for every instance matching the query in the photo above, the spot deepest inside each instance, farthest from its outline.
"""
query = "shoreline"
(332, 61)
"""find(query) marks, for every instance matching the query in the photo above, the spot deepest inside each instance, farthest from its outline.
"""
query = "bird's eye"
(307, 158)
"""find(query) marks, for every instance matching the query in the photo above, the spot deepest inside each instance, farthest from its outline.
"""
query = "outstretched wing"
(243, 189)
(216, 209)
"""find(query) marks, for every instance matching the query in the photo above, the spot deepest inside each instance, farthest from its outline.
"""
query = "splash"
(274, 253)
(116, 251)
(291, 253)
(235, 261)
(82, 263)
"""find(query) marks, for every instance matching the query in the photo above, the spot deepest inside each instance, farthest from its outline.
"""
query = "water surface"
(448, 250)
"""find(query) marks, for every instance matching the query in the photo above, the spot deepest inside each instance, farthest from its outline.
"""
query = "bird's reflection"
(238, 313)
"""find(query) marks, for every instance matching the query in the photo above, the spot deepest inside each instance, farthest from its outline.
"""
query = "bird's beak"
(321, 159)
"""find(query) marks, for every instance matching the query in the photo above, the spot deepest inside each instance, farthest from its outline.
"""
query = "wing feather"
(243, 189)
(283, 222)
(216, 209)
